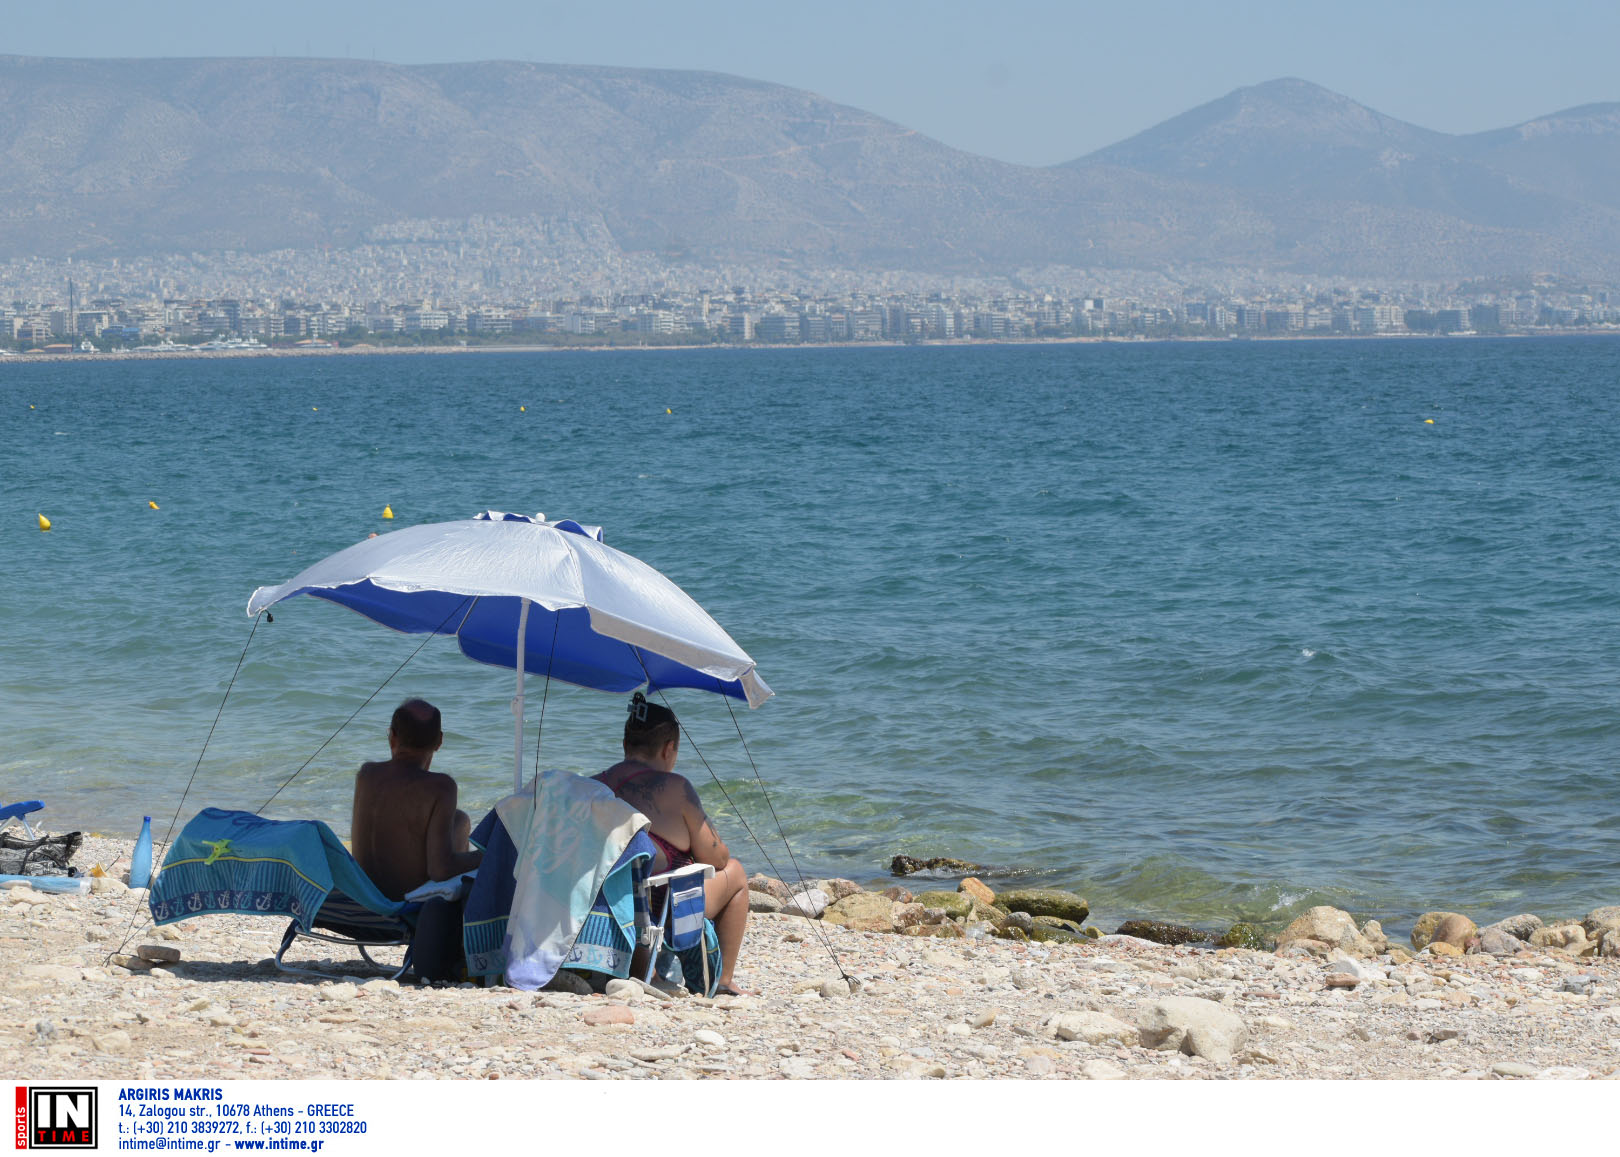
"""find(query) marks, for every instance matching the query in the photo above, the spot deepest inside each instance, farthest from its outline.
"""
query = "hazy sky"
(1032, 81)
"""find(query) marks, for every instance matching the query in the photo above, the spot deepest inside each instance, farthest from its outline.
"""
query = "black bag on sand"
(436, 951)
(46, 856)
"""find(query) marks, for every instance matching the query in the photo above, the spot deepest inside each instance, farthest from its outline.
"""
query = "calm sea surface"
(1202, 631)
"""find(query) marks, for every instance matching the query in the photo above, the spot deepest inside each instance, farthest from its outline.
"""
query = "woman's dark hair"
(417, 724)
(649, 725)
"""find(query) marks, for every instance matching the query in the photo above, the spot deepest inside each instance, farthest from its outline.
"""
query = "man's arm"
(707, 846)
(443, 862)
(360, 816)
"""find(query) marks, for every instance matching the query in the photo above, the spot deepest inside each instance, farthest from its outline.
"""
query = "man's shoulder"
(442, 781)
(407, 778)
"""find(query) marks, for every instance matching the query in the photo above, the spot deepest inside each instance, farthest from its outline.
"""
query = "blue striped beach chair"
(607, 939)
(620, 919)
(676, 931)
(234, 861)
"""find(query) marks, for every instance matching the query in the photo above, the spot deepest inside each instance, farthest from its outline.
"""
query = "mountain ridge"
(109, 156)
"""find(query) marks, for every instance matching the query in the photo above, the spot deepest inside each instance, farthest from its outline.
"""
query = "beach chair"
(675, 931)
(619, 920)
(234, 861)
(19, 813)
(607, 938)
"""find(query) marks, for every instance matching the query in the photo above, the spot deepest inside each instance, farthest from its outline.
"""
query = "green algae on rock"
(1059, 922)
(1162, 933)
(1045, 902)
(956, 904)
(1242, 936)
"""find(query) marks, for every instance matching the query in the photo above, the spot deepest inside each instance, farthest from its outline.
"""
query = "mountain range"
(108, 157)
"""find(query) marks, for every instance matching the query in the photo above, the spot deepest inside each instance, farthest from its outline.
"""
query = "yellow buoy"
(314, 408)
(44, 523)
(153, 505)
(1428, 421)
(388, 512)
(523, 409)
(667, 410)
(30, 405)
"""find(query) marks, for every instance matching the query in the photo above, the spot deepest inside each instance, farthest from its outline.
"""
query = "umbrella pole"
(517, 703)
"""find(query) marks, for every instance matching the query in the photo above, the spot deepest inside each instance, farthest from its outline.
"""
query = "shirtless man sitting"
(405, 827)
(680, 828)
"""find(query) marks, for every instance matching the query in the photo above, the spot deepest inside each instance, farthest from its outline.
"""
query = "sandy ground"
(924, 1008)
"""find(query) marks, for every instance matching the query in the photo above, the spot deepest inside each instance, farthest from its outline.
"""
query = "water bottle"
(71, 885)
(140, 863)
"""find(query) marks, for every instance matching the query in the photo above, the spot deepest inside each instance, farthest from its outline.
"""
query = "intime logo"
(56, 1117)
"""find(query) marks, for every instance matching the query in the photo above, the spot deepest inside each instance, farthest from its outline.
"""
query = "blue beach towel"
(234, 861)
(483, 926)
(605, 942)
(607, 939)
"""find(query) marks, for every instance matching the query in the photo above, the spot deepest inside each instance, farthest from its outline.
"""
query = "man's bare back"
(405, 827)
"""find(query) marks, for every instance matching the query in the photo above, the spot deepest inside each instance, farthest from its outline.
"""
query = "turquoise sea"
(1204, 631)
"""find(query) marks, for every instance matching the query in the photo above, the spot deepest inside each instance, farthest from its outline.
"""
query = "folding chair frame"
(653, 935)
(20, 813)
(294, 932)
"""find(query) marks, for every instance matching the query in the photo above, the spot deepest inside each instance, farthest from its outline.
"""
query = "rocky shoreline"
(947, 983)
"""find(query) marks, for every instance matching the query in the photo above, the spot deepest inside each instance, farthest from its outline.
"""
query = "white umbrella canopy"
(522, 592)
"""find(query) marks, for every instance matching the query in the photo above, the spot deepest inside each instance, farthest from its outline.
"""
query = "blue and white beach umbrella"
(519, 591)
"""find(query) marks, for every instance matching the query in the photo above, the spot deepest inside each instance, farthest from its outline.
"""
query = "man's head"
(652, 734)
(416, 727)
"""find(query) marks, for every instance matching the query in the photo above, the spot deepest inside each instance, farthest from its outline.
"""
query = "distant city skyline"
(1029, 81)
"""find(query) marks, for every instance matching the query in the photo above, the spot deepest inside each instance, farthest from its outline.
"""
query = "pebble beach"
(949, 997)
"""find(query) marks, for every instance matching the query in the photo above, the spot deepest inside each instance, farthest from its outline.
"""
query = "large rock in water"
(944, 865)
(1194, 1026)
(862, 912)
(1161, 933)
(1330, 926)
(1045, 902)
